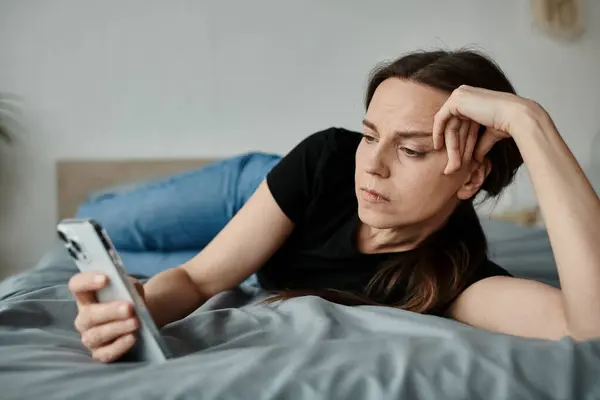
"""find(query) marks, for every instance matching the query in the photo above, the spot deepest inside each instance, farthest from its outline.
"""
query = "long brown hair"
(435, 272)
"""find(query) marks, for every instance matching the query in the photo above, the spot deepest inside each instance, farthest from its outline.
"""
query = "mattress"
(307, 348)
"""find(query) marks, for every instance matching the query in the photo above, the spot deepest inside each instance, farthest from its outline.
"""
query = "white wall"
(141, 78)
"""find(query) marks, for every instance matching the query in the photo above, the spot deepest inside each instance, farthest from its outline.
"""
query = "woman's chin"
(375, 219)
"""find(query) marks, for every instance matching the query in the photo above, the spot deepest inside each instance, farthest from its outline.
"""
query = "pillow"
(182, 212)
(525, 217)
(524, 251)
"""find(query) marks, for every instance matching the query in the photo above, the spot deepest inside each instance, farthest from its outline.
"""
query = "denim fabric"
(150, 263)
(182, 212)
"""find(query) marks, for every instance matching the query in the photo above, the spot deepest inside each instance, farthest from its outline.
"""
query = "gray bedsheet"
(307, 348)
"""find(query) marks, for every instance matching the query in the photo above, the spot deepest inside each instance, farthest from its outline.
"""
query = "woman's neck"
(372, 240)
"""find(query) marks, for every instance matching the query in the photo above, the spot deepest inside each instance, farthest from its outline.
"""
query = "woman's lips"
(373, 197)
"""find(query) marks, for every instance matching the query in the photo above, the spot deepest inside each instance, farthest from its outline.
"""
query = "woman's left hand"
(457, 122)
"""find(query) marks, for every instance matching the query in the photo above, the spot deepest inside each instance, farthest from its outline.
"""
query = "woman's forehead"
(405, 105)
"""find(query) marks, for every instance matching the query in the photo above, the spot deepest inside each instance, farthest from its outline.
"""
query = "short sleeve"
(291, 181)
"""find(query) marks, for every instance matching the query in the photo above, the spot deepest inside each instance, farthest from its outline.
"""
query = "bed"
(306, 348)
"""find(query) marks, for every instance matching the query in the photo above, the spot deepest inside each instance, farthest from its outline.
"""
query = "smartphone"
(92, 250)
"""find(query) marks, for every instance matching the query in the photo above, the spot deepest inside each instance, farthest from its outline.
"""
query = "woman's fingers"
(114, 350)
(107, 329)
(485, 144)
(451, 136)
(91, 315)
(84, 285)
(463, 133)
(103, 334)
(482, 107)
(472, 137)
(440, 121)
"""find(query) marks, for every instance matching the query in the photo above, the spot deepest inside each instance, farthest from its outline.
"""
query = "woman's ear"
(474, 179)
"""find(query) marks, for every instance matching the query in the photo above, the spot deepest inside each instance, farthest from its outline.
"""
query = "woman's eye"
(411, 152)
(369, 139)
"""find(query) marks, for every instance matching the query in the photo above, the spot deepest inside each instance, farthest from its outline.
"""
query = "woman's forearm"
(571, 210)
(171, 295)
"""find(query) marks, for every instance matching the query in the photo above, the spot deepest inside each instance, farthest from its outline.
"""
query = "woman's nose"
(377, 164)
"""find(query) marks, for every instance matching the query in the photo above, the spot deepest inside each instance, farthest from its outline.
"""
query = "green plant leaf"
(9, 126)
(9, 107)
(8, 110)
(4, 134)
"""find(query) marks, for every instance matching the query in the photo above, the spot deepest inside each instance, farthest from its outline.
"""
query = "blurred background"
(138, 79)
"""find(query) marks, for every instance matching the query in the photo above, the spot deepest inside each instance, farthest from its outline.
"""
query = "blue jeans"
(161, 223)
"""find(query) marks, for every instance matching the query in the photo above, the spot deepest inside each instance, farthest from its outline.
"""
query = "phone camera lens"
(75, 245)
(72, 253)
(62, 236)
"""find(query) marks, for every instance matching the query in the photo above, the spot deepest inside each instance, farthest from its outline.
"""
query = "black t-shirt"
(314, 186)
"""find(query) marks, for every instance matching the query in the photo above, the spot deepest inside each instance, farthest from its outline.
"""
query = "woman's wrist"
(532, 122)
(170, 296)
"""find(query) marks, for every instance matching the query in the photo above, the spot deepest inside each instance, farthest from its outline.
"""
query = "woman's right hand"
(107, 329)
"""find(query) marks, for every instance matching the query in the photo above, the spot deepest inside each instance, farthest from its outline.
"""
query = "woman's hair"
(434, 273)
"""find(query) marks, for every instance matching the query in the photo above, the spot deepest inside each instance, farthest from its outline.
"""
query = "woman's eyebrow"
(401, 134)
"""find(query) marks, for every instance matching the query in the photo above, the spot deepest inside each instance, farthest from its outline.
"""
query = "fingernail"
(99, 279)
(124, 309)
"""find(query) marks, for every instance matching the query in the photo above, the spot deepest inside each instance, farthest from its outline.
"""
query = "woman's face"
(396, 159)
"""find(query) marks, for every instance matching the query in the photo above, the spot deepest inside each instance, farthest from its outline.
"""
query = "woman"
(386, 217)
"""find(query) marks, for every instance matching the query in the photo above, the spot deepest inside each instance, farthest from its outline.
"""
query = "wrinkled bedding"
(305, 348)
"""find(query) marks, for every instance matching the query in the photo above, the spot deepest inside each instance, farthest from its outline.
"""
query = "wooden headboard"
(77, 179)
